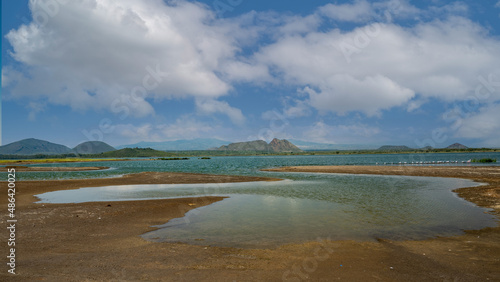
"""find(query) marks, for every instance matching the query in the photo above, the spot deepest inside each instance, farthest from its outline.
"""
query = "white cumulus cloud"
(90, 53)
(344, 93)
(210, 106)
(483, 125)
(120, 55)
(385, 65)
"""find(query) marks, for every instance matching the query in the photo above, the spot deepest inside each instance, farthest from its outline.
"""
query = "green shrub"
(488, 160)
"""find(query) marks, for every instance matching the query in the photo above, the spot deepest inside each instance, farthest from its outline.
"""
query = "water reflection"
(268, 214)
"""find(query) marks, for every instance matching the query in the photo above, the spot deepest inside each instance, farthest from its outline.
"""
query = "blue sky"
(417, 73)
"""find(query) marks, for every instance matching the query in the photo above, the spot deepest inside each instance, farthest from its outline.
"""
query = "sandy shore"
(47, 168)
(100, 241)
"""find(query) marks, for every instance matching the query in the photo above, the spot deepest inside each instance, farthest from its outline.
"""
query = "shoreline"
(15, 162)
(100, 240)
(48, 168)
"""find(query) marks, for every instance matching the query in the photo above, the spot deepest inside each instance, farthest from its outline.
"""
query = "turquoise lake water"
(245, 165)
(301, 208)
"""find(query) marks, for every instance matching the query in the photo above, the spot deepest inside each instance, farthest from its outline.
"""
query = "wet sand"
(48, 168)
(100, 241)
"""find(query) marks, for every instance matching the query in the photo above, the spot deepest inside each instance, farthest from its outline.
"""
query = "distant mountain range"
(34, 146)
(212, 143)
(180, 145)
(456, 146)
(276, 145)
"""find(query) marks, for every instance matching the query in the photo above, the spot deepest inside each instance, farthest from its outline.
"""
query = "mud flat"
(100, 241)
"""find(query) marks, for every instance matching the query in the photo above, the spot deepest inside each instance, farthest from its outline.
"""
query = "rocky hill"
(33, 146)
(284, 145)
(257, 145)
(457, 146)
(92, 147)
(275, 146)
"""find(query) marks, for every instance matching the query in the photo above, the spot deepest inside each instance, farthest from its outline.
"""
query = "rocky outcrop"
(284, 145)
(275, 146)
(457, 146)
(257, 145)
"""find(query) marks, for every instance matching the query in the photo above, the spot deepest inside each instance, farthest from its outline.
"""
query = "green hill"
(93, 147)
(33, 146)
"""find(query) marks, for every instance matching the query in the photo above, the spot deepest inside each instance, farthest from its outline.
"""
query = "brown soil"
(100, 241)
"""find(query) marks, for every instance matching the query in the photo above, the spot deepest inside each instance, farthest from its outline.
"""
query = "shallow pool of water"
(303, 208)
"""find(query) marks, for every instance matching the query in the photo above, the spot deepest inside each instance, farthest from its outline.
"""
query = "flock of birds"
(422, 162)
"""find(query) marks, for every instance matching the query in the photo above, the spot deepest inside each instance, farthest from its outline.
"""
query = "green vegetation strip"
(57, 160)
(484, 160)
